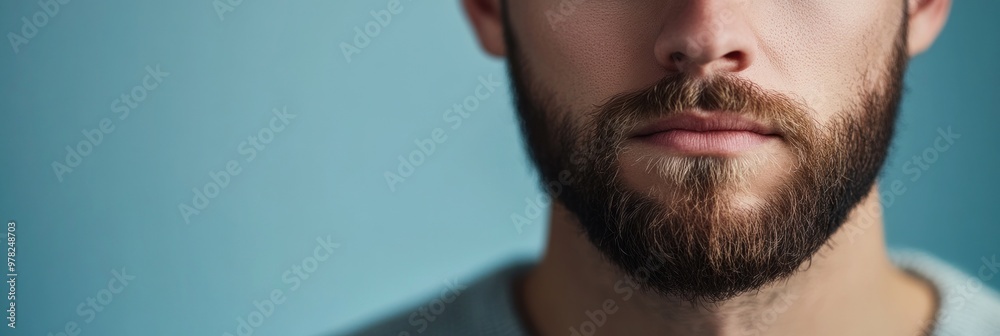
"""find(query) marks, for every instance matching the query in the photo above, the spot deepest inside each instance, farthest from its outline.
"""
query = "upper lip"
(703, 122)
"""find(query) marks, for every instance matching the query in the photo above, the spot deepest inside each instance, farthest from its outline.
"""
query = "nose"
(705, 37)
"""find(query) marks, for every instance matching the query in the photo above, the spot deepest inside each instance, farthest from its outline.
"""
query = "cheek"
(829, 53)
(590, 53)
(816, 50)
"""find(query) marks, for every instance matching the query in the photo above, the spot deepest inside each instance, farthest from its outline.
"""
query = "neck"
(849, 288)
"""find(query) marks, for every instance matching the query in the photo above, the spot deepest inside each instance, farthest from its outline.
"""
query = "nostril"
(677, 57)
(735, 55)
(736, 60)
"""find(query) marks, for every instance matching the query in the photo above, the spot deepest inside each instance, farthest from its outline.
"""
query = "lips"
(705, 122)
(706, 133)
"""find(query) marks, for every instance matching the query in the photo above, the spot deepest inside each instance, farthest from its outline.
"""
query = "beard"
(685, 236)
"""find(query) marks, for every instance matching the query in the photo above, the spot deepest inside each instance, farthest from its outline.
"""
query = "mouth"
(705, 133)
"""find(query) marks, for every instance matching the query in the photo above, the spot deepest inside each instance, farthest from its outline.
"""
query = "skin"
(603, 48)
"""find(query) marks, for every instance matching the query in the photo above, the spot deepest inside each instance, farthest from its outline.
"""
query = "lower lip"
(711, 142)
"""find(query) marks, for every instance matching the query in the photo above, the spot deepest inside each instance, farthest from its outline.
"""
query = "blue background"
(323, 174)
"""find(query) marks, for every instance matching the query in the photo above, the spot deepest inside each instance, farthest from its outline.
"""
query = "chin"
(743, 180)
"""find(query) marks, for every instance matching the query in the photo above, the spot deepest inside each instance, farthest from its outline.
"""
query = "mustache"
(677, 93)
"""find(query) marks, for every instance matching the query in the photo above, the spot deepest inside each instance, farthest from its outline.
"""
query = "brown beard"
(698, 246)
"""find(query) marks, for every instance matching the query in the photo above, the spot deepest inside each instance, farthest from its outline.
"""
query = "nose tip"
(702, 64)
(705, 37)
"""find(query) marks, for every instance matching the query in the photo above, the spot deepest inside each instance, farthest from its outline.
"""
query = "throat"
(849, 288)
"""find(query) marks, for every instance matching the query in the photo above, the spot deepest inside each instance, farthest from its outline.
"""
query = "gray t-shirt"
(967, 306)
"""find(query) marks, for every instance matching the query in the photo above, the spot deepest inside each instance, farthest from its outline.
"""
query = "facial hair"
(696, 245)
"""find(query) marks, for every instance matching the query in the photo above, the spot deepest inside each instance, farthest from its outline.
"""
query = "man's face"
(713, 146)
